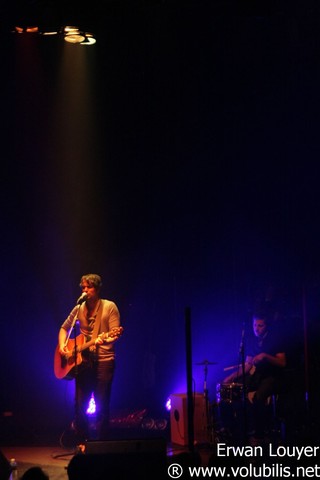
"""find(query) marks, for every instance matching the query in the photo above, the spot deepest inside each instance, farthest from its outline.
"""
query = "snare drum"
(229, 408)
(229, 392)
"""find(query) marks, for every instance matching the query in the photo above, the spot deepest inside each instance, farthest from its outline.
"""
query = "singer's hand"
(63, 350)
(100, 339)
(114, 334)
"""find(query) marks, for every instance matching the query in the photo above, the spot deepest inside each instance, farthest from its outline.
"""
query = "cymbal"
(206, 362)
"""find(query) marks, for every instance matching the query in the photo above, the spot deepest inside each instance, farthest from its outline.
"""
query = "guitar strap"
(97, 321)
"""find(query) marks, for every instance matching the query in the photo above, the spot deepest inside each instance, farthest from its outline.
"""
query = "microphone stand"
(76, 406)
(209, 431)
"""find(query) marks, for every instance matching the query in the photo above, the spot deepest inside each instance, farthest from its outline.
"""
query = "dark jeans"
(264, 387)
(94, 378)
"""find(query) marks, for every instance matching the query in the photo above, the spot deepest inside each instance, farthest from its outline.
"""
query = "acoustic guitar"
(64, 364)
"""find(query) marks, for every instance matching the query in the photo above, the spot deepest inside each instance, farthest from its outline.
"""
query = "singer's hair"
(262, 315)
(93, 280)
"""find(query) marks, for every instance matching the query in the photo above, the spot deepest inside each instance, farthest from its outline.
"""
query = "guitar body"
(63, 366)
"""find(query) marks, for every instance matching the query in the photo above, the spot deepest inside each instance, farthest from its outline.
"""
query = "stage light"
(71, 38)
(70, 29)
(53, 32)
(29, 29)
(89, 39)
(70, 34)
(34, 29)
(168, 404)
(91, 410)
(75, 35)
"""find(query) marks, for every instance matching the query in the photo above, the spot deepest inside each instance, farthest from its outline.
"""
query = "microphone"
(82, 298)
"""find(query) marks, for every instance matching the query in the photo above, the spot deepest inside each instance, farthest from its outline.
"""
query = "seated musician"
(264, 364)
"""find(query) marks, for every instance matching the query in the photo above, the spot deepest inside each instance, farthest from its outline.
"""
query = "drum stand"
(244, 390)
(209, 420)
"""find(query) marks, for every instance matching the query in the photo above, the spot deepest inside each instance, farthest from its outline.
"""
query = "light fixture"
(89, 39)
(91, 410)
(27, 29)
(70, 34)
(74, 38)
(51, 32)
(74, 35)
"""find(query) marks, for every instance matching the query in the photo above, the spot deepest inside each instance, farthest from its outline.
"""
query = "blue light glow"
(91, 410)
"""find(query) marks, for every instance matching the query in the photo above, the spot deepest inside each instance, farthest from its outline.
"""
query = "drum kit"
(224, 413)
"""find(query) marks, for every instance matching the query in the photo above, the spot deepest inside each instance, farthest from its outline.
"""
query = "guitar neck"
(85, 345)
(91, 342)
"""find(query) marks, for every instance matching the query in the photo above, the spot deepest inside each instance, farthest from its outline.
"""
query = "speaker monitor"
(145, 445)
(120, 460)
(179, 418)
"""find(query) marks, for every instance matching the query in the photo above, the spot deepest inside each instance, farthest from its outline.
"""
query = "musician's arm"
(278, 360)
(114, 324)
(238, 373)
(112, 336)
(62, 337)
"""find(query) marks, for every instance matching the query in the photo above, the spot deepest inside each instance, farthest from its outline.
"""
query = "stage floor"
(54, 460)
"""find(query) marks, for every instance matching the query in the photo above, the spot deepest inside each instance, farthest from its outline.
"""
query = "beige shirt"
(110, 319)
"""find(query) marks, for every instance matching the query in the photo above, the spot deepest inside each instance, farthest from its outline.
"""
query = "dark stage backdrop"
(178, 158)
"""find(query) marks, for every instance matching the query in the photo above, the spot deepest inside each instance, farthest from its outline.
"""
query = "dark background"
(178, 158)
